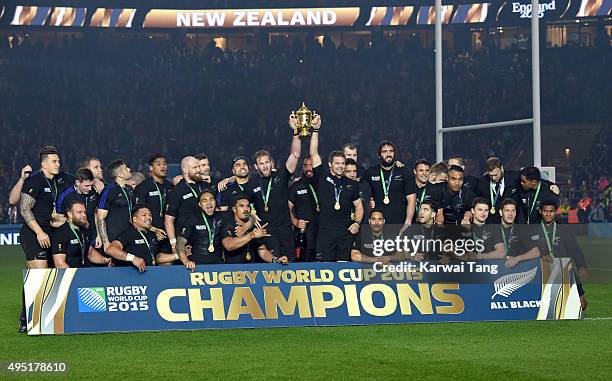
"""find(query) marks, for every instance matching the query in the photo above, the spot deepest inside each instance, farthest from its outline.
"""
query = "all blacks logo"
(525, 10)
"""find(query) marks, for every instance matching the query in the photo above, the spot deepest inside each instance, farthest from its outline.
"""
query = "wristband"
(173, 241)
(176, 257)
(274, 259)
(129, 257)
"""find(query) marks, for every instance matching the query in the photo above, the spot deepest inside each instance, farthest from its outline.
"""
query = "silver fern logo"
(507, 284)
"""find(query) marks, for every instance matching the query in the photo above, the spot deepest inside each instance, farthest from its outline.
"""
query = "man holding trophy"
(338, 196)
(271, 195)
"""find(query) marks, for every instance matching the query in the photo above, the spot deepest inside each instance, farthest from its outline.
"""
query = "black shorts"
(281, 242)
(334, 245)
(30, 245)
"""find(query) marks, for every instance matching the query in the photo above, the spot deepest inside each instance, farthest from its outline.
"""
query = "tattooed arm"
(26, 203)
(101, 221)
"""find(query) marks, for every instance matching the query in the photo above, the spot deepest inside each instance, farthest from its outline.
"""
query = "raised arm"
(314, 141)
(296, 146)
(15, 193)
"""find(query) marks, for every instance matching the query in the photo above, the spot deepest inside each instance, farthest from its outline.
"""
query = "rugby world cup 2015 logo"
(92, 299)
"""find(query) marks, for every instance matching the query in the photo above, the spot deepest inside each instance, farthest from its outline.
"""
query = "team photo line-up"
(193, 219)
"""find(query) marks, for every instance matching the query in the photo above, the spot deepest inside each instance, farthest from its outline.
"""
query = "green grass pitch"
(534, 350)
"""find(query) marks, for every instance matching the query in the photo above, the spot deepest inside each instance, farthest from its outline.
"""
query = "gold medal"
(386, 200)
(248, 256)
(318, 208)
(337, 205)
(211, 248)
(493, 210)
(266, 208)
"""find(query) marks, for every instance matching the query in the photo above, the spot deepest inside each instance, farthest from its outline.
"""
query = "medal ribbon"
(211, 233)
(128, 201)
(554, 236)
(148, 246)
(492, 189)
(265, 197)
(337, 192)
(535, 199)
(314, 194)
(161, 198)
(503, 234)
(418, 207)
(386, 185)
(53, 189)
(81, 244)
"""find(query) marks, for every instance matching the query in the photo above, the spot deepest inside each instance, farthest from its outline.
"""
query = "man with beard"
(338, 196)
(270, 196)
(242, 249)
(365, 246)
(304, 209)
(203, 232)
(497, 185)
(240, 186)
(452, 199)
(153, 193)
(470, 182)
(350, 171)
(531, 193)
(82, 191)
(182, 201)
(137, 245)
(426, 235)
(421, 170)
(116, 203)
(392, 188)
(206, 180)
(70, 242)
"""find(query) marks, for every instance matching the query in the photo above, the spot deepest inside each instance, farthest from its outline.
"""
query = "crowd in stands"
(126, 98)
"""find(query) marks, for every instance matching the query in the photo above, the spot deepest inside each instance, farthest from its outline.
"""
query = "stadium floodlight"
(535, 89)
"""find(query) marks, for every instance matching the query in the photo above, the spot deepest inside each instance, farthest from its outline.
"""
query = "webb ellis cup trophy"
(304, 120)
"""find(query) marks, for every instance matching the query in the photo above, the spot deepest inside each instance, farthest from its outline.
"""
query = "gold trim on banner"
(58, 319)
(37, 305)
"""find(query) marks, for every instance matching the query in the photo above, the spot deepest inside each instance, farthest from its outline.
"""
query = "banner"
(88, 300)
(232, 18)
(9, 234)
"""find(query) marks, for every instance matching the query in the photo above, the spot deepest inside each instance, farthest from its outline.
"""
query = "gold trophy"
(304, 120)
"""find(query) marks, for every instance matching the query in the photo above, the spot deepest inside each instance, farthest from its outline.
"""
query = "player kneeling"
(138, 245)
(70, 243)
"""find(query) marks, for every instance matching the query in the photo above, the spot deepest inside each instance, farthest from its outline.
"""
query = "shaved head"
(190, 167)
(188, 161)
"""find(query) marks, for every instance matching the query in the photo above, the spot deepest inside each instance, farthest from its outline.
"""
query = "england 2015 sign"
(89, 300)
